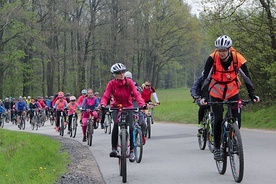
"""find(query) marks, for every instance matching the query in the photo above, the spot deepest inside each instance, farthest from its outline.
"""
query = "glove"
(203, 102)
(254, 98)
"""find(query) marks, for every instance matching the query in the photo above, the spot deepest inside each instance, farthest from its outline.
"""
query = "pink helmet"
(72, 98)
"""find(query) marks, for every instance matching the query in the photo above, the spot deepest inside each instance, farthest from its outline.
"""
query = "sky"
(195, 5)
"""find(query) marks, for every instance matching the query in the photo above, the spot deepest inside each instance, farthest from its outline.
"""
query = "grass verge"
(177, 106)
(30, 158)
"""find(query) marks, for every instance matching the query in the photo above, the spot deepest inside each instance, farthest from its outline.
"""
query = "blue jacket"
(2, 109)
(21, 106)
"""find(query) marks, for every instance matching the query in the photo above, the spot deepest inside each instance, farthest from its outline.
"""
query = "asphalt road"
(172, 156)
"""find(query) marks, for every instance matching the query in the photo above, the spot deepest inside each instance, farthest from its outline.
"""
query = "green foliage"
(177, 106)
(28, 158)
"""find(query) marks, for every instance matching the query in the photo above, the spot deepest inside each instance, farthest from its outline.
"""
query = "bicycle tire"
(202, 138)
(149, 120)
(236, 156)
(61, 126)
(74, 128)
(52, 120)
(2, 121)
(138, 145)
(90, 129)
(123, 156)
(222, 164)
(32, 124)
(23, 123)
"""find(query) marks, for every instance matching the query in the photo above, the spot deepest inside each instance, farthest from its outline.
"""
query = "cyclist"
(61, 105)
(2, 111)
(32, 106)
(72, 107)
(147, 92)
(48, 106)
(8, 106)
(89, 105)
(68, 97)
(196, 95)
(222, 83)
(142, 122)
(21, 107)
(28, 100)
(80, 100)
(121, 89)
(97, 95)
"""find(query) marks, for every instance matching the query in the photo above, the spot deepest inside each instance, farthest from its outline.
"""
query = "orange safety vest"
(225, 83)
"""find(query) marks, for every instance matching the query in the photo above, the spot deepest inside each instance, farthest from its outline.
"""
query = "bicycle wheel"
(148, 133)
(61, 126)
(202, 137)
(222, 164)
(2, 122)
(74, 128)
(52, 120)
(23, 123)
(90, 130)
(138, 144)
(236, 153)
(123, 156)
(110, 124)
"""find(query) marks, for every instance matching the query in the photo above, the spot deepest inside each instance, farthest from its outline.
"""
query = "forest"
(48, 46)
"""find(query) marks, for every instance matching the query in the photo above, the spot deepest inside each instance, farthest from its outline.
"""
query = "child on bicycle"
(60, 106)
(89, 105)
(72, 108)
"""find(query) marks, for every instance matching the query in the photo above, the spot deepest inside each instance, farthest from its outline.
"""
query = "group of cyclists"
(121, 90)
(220, 82)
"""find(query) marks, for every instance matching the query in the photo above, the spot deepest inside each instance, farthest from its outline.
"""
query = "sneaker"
(144, 140)
(113, 153)
(217, 155)
(102, 126)
(95, 126)
(131, 156)
(84, 139)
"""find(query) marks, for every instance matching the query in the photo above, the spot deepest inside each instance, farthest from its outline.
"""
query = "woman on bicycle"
(121, 89)
(89, 105)
(72, 108)
(222, 82)
(32, 106)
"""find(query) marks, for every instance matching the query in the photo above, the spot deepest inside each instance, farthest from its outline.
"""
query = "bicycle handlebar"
(239, 102)
(111, 109)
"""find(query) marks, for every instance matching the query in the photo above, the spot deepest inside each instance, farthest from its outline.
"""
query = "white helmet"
(223, 42)
(72, 98)
(84, 91)
(128, 74)
(117, 67)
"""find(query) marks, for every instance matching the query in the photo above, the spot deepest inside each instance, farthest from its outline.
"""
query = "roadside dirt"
(83, 168)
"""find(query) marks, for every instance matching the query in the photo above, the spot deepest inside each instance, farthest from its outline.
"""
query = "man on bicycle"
(222, 82)
(196, 94)
(21, 107)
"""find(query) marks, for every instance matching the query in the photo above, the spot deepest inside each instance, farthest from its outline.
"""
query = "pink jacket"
(122, 91)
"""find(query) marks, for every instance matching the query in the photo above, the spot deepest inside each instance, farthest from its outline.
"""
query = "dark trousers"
(218, 117)
(114, 135)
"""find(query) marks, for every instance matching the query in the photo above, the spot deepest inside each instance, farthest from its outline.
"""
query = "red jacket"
(122, 91)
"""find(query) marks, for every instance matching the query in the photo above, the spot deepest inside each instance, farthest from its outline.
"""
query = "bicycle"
(90, 129)
(74, 125)
(123, 138)
(62, 126)
(149, 119)
(206, 133)
(231, 141)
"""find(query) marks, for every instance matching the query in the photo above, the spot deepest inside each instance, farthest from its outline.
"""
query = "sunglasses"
(148, 85)
(120, 72)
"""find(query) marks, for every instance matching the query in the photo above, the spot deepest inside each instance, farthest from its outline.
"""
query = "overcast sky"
(195, 5)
